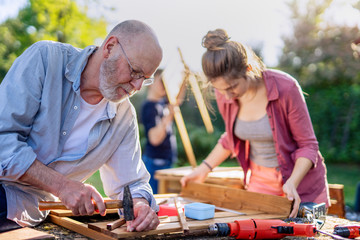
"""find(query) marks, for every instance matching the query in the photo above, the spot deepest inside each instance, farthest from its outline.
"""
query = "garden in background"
(324, 58)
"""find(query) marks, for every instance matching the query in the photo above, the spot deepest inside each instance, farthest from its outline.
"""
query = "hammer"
(126, 204)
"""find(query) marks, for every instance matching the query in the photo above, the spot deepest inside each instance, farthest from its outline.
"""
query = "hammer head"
(128, 204)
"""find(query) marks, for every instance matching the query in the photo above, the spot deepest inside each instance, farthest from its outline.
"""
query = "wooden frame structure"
(251, 205)
(192, 79)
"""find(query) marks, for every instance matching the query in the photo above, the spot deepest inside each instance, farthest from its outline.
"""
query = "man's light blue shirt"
(39, 104)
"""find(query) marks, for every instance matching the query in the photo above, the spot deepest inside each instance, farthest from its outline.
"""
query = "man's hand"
(80, 198)
(75, 195)
(145, 218)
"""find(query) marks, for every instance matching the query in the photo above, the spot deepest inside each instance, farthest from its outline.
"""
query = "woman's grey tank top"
(262, 147)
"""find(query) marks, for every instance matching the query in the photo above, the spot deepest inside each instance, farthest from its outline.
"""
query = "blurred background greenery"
(324, 58)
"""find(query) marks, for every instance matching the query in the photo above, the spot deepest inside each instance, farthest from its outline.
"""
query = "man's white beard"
(108, 81)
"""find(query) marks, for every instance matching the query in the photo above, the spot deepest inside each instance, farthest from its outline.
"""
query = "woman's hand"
(301, 168)
(198, 175)
(291, 193)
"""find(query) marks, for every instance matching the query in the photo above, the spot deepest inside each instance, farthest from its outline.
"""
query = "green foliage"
(320, 56)
(58, 20)
(336, 121)
(348, 175)
(201, 142)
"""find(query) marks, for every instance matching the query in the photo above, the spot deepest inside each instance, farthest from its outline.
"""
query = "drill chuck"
(219, 229)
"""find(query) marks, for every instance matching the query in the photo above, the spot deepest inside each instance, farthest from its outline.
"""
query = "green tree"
(320, 56)
(58, 20)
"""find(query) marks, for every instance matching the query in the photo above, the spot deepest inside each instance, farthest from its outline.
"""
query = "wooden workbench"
(169, 182)
(243, 205)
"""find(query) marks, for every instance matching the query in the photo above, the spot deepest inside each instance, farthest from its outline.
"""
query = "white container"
(199, 211)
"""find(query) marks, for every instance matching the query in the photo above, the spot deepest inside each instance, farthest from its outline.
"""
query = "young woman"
(268, 127)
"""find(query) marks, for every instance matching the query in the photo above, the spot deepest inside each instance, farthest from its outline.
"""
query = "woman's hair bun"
(213, 40)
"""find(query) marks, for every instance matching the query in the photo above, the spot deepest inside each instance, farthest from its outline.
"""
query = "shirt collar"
(77, 64)
(270, 84)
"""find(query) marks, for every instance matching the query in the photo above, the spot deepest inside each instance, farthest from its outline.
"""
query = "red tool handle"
(269, 229)
(348, 231)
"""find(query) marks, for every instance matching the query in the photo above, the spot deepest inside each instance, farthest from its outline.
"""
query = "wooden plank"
(198, 96)
(56, 205)
(181, 215)
(78, 227)
(200, 102)
(25, 233)
(68, 213)
(123, 233)
(182, 129)
(237, 199)
(115, 224)
(336, 192)
(184, 136)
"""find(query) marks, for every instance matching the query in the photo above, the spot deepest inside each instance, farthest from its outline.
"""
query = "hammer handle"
(109, 204)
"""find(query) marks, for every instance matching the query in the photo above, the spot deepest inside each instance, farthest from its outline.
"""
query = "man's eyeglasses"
(136, 75)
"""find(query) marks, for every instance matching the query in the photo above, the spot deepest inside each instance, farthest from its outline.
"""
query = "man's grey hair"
(129, 29)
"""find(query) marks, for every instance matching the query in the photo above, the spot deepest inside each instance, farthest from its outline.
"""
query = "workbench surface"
(63, 233)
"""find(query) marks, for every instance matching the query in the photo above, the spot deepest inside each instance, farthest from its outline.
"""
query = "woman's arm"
(302, 166)
(214, 159)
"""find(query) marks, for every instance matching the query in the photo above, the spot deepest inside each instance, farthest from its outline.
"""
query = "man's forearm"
(43, 177)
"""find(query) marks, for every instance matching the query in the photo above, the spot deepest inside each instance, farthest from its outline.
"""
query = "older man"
(64, 114)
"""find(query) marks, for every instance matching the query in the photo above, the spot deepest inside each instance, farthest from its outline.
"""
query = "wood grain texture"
(181, 215)
(78, 227)
(238, 199)
(25, 233)
(50, 205)
(115, 224)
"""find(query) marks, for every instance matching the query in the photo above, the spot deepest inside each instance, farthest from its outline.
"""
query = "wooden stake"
(198, 96)
(182, 129)
(182, 218)
(118, 223)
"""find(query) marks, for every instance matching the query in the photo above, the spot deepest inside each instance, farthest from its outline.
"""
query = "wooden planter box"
(169, 179)
(169, 182)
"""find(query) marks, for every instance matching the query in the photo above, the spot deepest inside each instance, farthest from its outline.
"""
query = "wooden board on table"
(25, 233)
(238, 199)
(78, 227)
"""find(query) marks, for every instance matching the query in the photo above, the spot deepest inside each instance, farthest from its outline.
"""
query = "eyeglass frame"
(135, 75)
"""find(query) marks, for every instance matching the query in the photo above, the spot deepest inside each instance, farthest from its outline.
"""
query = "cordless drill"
(348, 231)
(261, 229)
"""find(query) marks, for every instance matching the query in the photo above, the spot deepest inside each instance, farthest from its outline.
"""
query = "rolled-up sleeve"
(301, 126)
(20, 95)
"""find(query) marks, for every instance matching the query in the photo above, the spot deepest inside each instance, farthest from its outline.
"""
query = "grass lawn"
(346, 174)
(349, 176)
